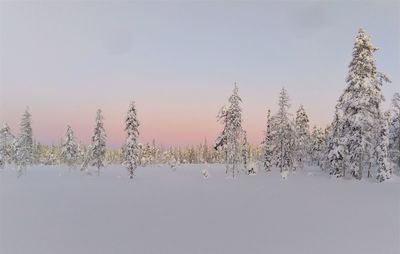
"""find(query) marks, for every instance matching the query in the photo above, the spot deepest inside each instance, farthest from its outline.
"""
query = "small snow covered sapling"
(252, 169)
(205, 173)
(284, 174)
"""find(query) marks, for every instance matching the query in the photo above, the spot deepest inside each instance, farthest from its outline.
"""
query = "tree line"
(361, 139)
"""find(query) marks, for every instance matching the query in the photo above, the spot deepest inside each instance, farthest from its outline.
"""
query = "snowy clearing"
(55, 210)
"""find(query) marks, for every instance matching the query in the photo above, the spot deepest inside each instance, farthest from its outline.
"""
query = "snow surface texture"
(56, 210)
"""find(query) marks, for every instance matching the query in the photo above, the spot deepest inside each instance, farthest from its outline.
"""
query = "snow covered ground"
(55, 211)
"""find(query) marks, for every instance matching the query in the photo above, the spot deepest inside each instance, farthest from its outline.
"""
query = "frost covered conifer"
(283, 134)
(267, 145)
(97, 148)
(358, 113)
(69, 149)
(317, 145)
(230, 140)
(384, 166)
(6, 140)
(336, 149)
(131, 149)
(24, 143)
(245, 151)
(394, 130)
(302, 138)
(234, 131)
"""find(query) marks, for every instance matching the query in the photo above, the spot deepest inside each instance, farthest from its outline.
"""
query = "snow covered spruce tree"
(384, 171)
(131, 149)
(97, 149)
(231, 138)
(358, 114)
(335, 151)
(302, 138)
(317, 146)
(267, 144)
(24, 143)
(234, 132)
(283, 134)
(6, 140)
(69, 149)
(394, 130)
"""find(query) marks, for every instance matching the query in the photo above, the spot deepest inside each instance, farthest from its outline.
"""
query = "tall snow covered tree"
(97, 148)
(69, 149)
(234, 131)
(6, 140)
(131, 149)
(302, 138)
(394, 130)
(384, 166)
(230, 140)
(24, 143)
(357, 113)
(283, 136)
(267, 145)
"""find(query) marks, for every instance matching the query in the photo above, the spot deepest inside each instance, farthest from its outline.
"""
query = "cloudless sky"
(178, 60)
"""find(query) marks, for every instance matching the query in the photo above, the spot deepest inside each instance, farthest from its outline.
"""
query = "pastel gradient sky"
(179, 60)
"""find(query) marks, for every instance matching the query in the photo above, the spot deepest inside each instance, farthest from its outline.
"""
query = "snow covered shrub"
(205, 173)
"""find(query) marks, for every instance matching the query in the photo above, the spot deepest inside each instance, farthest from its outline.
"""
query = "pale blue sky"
(178, 60)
